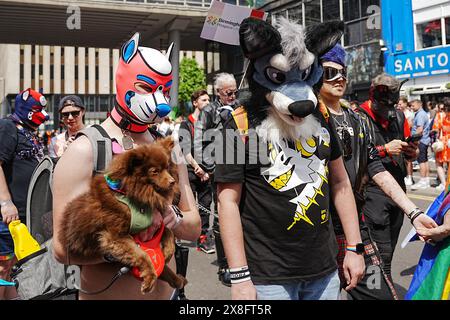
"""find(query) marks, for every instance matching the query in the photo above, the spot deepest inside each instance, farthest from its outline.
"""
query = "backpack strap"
(101, 146)
(241, 119)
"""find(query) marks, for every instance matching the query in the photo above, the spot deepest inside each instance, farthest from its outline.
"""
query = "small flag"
(223, 21)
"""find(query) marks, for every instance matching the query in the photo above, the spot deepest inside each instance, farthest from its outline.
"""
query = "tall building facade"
(417, 43)
(361, 39)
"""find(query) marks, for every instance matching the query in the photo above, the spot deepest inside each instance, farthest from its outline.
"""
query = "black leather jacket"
(367, 161)
(207, 128)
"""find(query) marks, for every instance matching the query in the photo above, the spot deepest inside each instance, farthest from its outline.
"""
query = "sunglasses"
(331, 74)
(74, 114)
(230, 93)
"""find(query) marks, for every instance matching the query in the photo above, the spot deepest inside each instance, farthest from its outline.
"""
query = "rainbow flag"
(431, 279)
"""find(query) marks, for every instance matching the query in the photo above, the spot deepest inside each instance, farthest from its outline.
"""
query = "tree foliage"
(192, 78)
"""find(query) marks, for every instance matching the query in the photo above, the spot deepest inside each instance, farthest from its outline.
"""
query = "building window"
(330, 10)
(362, 20)
(279, 14)
(429, 34)
(351, 10)
(447, 31)
(295, 14)
(312, 12)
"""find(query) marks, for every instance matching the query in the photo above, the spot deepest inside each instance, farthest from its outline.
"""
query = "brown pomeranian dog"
(97, 223)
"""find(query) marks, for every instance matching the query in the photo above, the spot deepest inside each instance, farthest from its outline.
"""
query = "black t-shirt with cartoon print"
(288, 234)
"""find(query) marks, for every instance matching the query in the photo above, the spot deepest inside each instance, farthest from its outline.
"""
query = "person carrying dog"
(362, 162)
(143, 80)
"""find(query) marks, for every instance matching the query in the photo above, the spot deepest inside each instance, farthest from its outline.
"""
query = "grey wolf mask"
(284, 71)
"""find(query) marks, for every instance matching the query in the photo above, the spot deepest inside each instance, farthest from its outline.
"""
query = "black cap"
(71, 100)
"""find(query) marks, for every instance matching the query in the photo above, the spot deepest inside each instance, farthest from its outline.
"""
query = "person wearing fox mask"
(20, 152)
(143, 81)
(274, 197)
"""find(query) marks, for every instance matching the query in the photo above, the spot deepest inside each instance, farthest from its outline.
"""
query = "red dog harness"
(153, 248)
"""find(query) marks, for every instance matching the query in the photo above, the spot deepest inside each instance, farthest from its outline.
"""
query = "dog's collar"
(114, 185)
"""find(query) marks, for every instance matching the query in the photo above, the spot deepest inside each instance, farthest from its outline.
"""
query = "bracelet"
(238, 275)
(415, 216)
(412, 213)
(5, 202)
(178, 215)
(382, 151)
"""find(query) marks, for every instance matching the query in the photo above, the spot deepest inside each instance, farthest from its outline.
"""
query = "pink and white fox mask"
(143, 81)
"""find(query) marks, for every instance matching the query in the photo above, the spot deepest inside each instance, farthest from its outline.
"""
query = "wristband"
(178, 214)
(238, 275)
(414, 213)
(382, 151)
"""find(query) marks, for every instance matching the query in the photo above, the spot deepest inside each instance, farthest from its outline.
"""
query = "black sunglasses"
(230, 93)
(74, 114)
(330, 73)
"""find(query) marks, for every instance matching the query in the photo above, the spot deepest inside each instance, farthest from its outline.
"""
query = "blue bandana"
(336, 55)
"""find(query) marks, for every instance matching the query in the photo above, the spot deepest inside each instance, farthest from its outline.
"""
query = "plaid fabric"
(342, 243)
(370, 252)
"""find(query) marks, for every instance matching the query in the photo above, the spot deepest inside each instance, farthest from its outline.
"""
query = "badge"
(127, 142)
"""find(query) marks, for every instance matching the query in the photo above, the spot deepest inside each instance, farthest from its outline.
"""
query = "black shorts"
(423, 153)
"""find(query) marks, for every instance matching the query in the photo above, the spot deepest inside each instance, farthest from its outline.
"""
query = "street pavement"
(202, 269)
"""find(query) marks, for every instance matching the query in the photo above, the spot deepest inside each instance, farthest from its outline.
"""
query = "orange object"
(153, 249)
(442, 126)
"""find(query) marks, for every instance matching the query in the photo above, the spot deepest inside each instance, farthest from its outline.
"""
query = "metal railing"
(184, 3)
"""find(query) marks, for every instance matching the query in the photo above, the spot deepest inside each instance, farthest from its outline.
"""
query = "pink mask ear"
(26, 94)
(130, 48)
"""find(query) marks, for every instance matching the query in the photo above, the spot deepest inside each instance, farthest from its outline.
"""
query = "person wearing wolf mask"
(382, 215)
(361, 161)
(274, 185)
(143, 80)
(20, 153)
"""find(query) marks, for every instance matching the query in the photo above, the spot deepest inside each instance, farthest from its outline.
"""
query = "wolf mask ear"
(129, 49)
(320, 38)
(258, 38)
(26, 94)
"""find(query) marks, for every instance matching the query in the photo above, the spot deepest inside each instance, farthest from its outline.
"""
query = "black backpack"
(40, 276)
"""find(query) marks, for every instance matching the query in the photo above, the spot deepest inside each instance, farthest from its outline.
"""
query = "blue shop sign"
(420, 63)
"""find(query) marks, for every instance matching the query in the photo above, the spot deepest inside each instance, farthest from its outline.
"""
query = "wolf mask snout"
(301, 108)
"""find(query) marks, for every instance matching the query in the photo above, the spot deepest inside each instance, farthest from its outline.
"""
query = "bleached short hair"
(222, 79)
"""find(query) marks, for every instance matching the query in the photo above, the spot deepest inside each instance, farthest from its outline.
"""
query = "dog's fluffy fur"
(97, 224)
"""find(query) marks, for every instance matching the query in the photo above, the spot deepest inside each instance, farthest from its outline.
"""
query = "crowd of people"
(311, 149)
